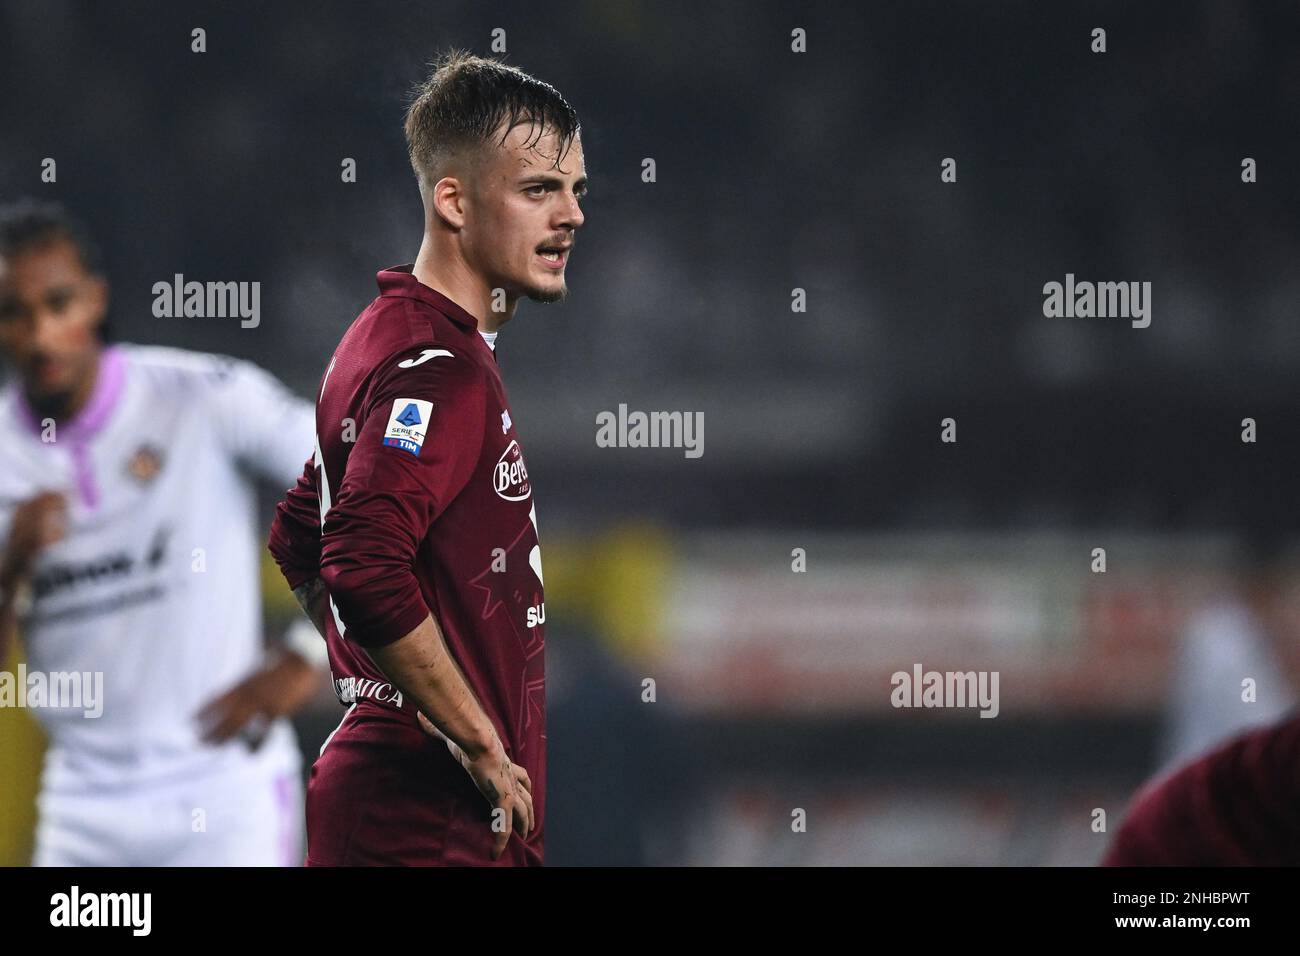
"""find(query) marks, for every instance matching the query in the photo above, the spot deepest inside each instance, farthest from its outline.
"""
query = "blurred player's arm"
(265, 428)
(390, 497)
(36, 524)
(288, 678)
(263, 425)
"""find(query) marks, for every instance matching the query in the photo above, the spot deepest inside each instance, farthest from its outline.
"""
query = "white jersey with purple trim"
(156, 585)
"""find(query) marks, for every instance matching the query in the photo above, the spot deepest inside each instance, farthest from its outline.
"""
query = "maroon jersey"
(1238, 805)
(417, 501)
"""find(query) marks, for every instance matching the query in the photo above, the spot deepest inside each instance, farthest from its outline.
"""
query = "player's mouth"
(553, 257)
(47, 372)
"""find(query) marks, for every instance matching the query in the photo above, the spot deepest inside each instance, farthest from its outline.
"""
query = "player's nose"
(45, 331)
(571, 216)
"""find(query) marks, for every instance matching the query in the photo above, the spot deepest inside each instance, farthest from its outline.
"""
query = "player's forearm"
(294, 538)
(420, 664)
(8, 628)
(314, 599)
(13, 593)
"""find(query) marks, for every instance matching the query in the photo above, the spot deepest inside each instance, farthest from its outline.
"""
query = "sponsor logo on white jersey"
(145, 464)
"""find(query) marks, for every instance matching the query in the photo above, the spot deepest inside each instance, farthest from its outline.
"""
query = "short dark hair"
(32, 224)
(465, 100)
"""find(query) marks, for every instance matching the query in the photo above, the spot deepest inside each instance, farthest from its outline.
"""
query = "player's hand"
(505, 785)
(248, 708)
(38, 523)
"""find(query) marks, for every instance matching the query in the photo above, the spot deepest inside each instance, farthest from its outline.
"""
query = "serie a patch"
(407, 424)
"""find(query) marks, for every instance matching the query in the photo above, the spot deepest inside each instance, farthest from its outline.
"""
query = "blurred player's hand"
(38, 523)
(248, 708)
(505, 785)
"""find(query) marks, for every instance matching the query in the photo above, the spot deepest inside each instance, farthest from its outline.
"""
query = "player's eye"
(536, 190)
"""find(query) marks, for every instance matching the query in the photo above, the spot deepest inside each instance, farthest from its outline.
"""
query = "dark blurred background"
(779, 170)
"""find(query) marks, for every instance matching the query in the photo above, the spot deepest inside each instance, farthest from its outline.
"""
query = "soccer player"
(130, 550)
(1233, 806)
(411, 537)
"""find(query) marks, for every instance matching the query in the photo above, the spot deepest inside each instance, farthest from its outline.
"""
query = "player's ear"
(448, 201)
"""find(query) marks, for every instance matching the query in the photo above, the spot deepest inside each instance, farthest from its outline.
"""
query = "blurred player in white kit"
(129, 548)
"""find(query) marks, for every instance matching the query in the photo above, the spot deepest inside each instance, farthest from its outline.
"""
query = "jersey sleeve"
(415, 452)
(261, 423)
(295, 531)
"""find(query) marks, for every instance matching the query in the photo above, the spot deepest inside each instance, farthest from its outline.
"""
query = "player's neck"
(449, 275)
(65, 406)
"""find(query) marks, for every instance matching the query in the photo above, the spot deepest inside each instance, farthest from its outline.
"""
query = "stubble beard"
(548, 295)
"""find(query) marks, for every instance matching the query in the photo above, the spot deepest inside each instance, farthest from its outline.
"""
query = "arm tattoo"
(308, 592)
